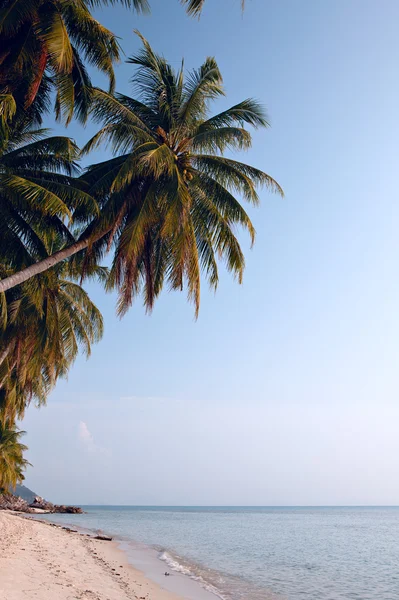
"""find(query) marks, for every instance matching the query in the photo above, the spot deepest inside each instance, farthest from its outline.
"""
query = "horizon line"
(249, 505)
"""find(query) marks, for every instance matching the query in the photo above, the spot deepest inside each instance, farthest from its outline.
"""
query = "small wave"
(174, 564)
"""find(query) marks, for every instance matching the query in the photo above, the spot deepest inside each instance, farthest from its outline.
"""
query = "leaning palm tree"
(168, 198)
(44, 324)
(12, 462)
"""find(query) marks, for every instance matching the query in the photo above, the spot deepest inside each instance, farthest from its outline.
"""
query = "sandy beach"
(41, 561)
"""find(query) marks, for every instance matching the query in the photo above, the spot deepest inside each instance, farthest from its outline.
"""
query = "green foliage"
(48, 43)
(12, 462)
(38, 194)
(168, 198)
(51, 38)
(47, 320)
(8, 109)
(167, 202)
(44, 322)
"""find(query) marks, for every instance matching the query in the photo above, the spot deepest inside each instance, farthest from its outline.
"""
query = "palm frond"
(58, 153)
(13, 14)
(52, 32)
(194, 7)
(236, 175)
(202, 85)
(221, 139)
(249, 112)
(37, 196)
(8, 107)
(140, 6)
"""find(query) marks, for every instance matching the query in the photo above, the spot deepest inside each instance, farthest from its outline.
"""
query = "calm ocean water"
(267, 553)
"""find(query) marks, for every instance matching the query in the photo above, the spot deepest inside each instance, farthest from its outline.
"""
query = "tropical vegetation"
(48, 44)
(39, 193)
(43, 321)
(166, 204)
(48, 320)
(167, 198)
(12, 462)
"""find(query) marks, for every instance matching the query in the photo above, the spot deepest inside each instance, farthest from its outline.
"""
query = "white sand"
(42, 562)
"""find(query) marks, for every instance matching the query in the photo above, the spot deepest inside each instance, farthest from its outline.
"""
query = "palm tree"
(38, 194)
(48, 42)
(44, 324)
(57, 39)
(12, 462)
(45, 321)
(168, 197)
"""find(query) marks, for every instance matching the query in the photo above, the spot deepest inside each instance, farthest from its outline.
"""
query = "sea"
(260, 553)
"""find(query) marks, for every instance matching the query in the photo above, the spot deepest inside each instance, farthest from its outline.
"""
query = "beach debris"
(105, 538)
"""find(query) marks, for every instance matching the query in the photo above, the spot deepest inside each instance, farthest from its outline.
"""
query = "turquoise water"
(266, 553)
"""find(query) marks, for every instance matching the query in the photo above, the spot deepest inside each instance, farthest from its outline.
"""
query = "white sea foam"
(263, 553)
(174, 564)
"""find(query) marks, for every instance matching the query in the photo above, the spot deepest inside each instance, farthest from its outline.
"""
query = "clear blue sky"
(285, 389)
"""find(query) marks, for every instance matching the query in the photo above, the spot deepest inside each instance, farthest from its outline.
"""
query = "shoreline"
(40, 560)
(182, 581)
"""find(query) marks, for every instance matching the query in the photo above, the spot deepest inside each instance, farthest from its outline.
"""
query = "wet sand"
(43, 562)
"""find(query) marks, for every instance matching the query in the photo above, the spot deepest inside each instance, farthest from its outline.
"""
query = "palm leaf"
(201, 86)
(248, 112)
(221, 139)
(52, 32)
(14, 13)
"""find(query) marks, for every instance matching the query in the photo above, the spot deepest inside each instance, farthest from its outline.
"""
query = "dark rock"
(74, 510)
(11, 502)
(105, 538)
(43, 504)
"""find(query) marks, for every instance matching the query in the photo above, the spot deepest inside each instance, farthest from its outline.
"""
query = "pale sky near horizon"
(285, 391)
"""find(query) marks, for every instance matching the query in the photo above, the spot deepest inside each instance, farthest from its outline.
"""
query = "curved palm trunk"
(43, 265)
(17, 278)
